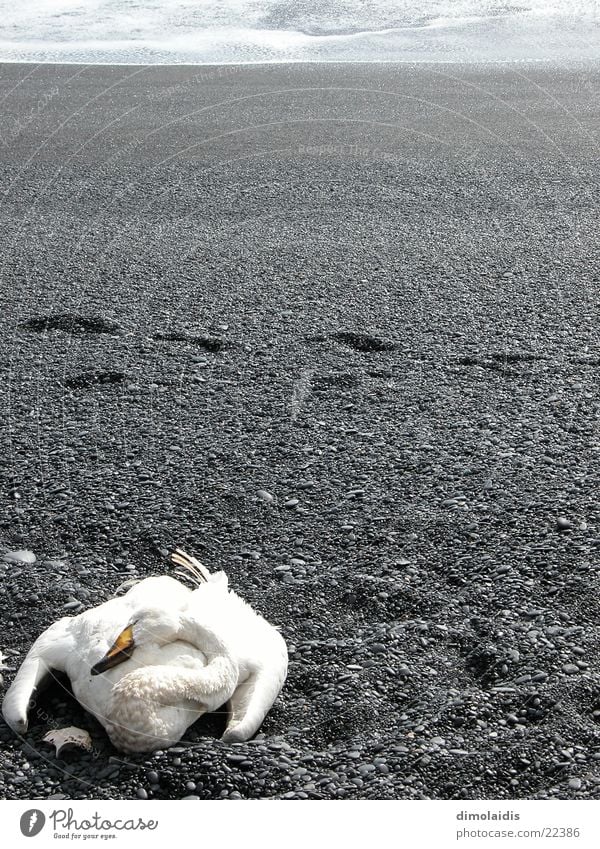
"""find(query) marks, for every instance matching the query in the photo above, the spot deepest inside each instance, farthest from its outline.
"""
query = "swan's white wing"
(49, 652)
(255, 646)
(254, 698)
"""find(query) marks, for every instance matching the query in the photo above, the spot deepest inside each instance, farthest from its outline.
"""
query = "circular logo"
(32, 822)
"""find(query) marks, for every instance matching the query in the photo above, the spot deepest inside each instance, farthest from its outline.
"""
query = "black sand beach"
(335, 330)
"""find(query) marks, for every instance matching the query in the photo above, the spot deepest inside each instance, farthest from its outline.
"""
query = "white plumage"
(149, 663)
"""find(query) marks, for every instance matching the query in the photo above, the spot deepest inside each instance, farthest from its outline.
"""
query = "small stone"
(21, 556)
(153, 777)
(575, 783)
(141, 793)
(265, 496)
(183, 798)
(539, 676)
(563, 524)
(365, 769)
(291, 503)
(570, 669)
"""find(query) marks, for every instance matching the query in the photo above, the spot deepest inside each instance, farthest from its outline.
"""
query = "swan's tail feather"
(193, 568)
(126, 585)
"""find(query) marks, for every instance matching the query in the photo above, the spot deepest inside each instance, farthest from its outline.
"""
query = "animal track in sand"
(363, 342)
(70, 323)
(94, 378)
(209, 343)
(516, 357)
(499, 361)
(496, 358)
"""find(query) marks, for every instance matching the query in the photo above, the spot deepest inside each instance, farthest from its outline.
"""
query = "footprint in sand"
(94, 377)
(209, 343)
(71, 323)
(366, 343)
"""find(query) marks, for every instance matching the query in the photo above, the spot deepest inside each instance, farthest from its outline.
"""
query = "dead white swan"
(149, 663)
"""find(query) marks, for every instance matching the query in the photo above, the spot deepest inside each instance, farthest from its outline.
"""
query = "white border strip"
(296, 825)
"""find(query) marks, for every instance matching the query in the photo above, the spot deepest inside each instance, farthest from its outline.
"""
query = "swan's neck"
(205, 638)
(152, 706)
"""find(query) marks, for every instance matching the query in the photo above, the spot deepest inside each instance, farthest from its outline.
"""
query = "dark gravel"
(335, 330)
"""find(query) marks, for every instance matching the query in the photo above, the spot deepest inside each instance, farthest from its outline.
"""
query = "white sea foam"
(226, 31)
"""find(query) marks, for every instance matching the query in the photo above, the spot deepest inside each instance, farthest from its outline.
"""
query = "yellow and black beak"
(121, 650)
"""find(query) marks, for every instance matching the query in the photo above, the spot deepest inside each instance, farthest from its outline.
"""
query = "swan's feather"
(126, 585)
(192, 567)
(68, 738)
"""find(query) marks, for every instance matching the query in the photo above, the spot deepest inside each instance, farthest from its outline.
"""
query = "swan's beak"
(121, 650)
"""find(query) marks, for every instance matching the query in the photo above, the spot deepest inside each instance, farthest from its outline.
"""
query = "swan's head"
(150, 626)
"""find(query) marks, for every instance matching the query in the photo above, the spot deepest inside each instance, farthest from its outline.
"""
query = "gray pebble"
(539, 676)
